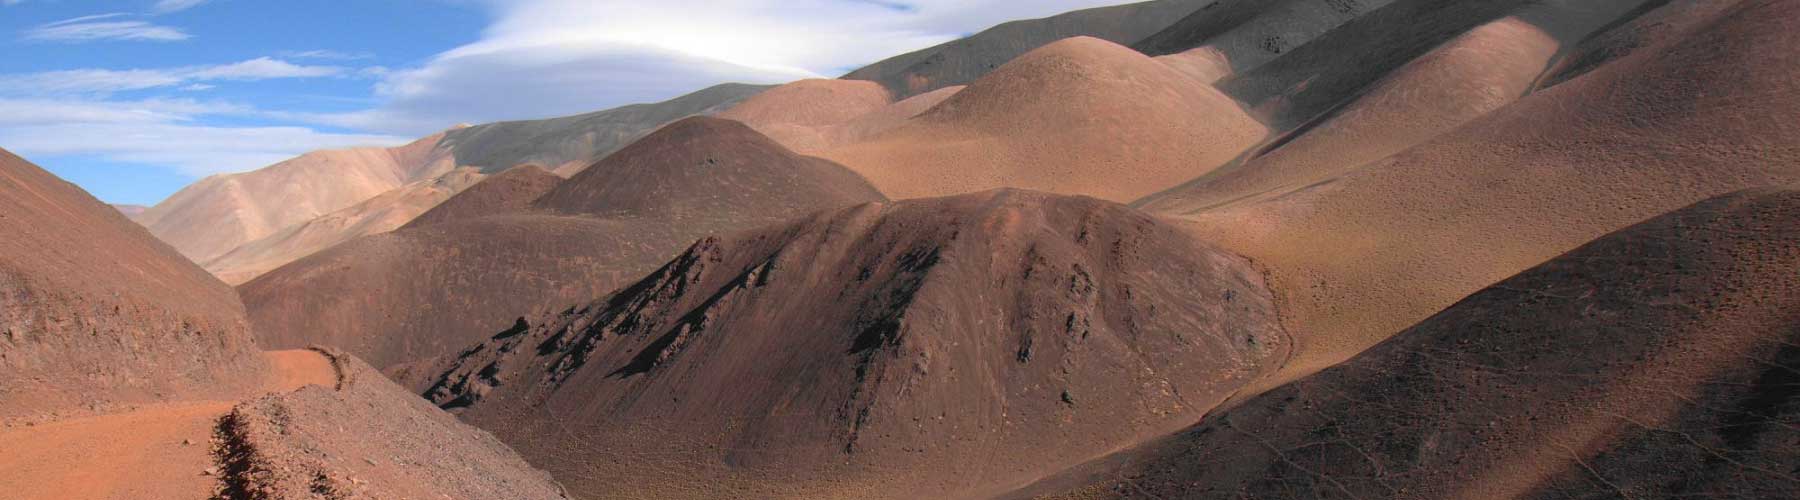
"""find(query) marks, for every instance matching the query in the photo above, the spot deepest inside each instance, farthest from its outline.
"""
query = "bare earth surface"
(160, 450)
(1657, 362)
(938, 348)
(1358, 256)
(1079, 116)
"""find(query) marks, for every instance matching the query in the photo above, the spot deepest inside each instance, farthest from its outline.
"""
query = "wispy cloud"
(164, 132)
(116, 26)
(107, 80)
(167, 6)
(330, 55)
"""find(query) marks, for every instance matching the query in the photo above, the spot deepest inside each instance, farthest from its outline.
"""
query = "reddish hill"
(1079, 116)
(506, 192)
(947, 347)
(429, 290)
(1656, 362)
(1361, 255)
(95, 311)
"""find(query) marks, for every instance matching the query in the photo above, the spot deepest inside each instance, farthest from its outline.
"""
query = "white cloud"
(167, 6)
(261, 68)
(327, 54)
(103, 27)
(107, 80)
(556, 57)
(20, 112)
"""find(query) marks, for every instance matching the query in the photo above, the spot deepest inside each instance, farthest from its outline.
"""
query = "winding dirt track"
(155, 451)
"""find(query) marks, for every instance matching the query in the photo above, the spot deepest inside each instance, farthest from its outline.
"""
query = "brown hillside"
(1079, 116)
(795, 114)
(94, 310)
(506, 192)
(380, 214)
(933, 348)
(427, 291)
(1656, 362)
(1361, 255)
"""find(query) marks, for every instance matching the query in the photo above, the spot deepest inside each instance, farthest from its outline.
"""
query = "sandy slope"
(383, 213)
(219, 213)
(1361, 255)
(1079, 116)
(1478, 72)
(1655, 362)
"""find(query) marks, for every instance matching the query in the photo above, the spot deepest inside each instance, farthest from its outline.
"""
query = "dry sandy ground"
(159, 450)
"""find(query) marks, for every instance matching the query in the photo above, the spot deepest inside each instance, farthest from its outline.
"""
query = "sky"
(134, 99)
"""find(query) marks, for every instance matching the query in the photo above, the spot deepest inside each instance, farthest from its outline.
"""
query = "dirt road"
(154, 451)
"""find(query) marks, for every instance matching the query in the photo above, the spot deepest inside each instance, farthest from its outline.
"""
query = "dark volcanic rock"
(1656, 362)
(428, 291)
(927, 348)
(94, 310)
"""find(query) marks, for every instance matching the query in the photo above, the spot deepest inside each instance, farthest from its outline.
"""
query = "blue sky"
(134, 99)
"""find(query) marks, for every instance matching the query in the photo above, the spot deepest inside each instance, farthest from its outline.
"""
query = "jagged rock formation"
(948, 347)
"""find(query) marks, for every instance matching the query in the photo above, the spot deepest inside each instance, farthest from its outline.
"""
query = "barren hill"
(220, 213)
(964, 60)
(1079, 116)
(1482, 70)
(380, 214)
(1656, 362)
(1359, 256)
(95, 311)
(565, 145)
(810, 116)
(427, 291)
(947, 347)
(506, 192)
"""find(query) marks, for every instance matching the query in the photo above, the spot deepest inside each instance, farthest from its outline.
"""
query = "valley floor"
(154, 451)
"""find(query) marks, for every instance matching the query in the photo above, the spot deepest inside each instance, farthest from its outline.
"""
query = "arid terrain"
(1239, 249)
